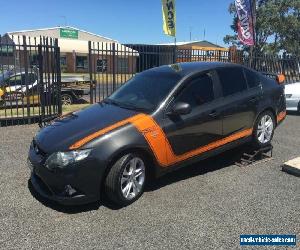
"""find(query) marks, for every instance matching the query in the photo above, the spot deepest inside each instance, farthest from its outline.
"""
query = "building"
(199, 51)
(160, 54)
(200, 45)
(74, 49)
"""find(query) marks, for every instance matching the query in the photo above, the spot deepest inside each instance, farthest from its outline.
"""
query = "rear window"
(252, 78)
(232, 80)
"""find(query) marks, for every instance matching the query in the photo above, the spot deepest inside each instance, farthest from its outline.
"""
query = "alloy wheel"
(265, 129)
(133, 178)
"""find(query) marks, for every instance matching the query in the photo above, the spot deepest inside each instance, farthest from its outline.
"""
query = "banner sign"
(68, 33)
(245, 22)
(169, 17)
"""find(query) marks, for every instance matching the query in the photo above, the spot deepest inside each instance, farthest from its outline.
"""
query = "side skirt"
(164, 170)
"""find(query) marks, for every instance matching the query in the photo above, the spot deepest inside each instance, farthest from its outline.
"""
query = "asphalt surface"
(204, 206)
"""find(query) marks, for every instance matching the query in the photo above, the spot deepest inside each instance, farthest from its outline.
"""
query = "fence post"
(41, 81)
(58, 78)
(174, 54)
(91, 72)
(26, 77)
(114, 65)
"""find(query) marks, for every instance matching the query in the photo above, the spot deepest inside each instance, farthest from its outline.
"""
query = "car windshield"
(145, 91)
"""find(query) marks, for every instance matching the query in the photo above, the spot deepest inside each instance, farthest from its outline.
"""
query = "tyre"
(125, 181)
(264, 129)
(66, 99)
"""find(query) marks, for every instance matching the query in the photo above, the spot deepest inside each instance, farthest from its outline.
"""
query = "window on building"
(232, 80)
(63, 61)
(199, 91)
(122, 64)
(101, 65)
(81, 62)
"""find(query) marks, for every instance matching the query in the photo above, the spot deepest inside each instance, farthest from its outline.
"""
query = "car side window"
(252, 78)
(197, 92)
(232, 80)
(15, 80)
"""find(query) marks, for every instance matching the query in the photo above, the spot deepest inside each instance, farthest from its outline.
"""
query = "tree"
(277, 27)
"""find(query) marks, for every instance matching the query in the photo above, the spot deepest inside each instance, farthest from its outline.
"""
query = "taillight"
(280, 79)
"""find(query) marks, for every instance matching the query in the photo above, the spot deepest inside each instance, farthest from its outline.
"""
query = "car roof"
(186, 68)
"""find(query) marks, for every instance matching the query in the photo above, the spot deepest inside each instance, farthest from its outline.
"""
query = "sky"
(128, 21)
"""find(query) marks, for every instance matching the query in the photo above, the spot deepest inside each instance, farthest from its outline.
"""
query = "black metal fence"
(112, 64)
(30, 73)
(274, 64)
(29, 79)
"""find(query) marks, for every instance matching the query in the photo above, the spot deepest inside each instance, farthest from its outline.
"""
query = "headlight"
(62, 159)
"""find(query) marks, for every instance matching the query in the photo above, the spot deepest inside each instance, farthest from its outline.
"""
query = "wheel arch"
(151, 163)
(271, 109)
(69, 93)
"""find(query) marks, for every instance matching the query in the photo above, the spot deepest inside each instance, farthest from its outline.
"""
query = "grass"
(20, 112)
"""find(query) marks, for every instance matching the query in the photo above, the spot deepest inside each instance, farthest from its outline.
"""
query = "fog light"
(69, 190)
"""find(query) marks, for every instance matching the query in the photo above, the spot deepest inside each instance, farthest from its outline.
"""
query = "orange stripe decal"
(281, 116)
(158, 141)
(162, 148)
(100, 132)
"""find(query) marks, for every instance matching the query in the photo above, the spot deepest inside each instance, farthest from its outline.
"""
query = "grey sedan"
(292, 95)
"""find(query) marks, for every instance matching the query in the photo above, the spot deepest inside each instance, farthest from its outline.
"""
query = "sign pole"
(175, 49)
(252, 50)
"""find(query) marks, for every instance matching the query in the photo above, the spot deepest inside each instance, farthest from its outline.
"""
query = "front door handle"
(254, 99)
(213, 113)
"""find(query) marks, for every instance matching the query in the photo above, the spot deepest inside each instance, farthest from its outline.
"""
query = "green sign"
(69, 33)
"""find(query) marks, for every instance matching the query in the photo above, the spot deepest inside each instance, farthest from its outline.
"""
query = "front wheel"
(264, 129)
(125, 181)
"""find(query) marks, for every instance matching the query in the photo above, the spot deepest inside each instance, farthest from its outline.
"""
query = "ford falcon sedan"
(161, 119)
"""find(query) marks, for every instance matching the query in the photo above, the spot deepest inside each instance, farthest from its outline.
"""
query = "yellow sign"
(169, 17)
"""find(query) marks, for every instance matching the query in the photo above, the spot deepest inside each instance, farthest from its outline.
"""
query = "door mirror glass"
(180, 108)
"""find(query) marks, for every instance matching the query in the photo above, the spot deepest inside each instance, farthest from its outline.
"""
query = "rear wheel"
(66, 99)
(126, 180)
(264, 129)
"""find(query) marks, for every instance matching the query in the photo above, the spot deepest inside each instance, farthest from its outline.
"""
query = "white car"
(292, 95)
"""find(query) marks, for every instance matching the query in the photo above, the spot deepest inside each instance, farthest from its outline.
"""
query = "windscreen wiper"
(110, 101)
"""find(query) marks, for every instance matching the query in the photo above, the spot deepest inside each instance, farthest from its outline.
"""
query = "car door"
(203, 124)
(240, 101)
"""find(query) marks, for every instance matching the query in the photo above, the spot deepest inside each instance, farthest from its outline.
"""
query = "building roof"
(44, 30)
(79, 44)
(203, 43)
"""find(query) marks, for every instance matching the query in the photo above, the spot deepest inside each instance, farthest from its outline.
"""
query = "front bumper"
(78, 184)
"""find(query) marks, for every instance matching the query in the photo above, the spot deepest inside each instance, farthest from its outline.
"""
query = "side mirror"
(180, 108)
